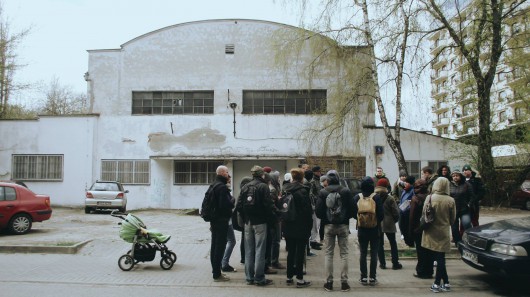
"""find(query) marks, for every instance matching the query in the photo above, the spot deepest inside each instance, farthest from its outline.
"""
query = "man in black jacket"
(478, 190)
(339, 229)
(219, 222)
(255, 205)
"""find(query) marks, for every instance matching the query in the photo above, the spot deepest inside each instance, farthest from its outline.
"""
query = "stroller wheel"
(166, 263)
(126, 262)
(173, 256)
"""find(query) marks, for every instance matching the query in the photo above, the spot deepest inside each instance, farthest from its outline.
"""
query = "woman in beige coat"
(437, 237)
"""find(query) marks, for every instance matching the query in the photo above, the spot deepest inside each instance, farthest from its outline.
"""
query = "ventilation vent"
(230, 49)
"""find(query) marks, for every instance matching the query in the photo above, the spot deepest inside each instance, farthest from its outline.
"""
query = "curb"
(43, 249)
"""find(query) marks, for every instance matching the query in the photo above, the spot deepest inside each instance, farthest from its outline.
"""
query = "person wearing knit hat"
(397, 188)
(404, 210)
(388, 226)
(267, 169)
(462, 193)
(257, 171)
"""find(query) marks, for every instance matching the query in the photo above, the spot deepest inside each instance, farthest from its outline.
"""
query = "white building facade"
(170, 106)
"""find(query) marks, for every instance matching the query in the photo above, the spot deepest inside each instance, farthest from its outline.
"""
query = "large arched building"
(168, 107)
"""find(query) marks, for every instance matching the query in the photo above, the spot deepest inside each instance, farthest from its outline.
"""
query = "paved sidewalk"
(96, 264)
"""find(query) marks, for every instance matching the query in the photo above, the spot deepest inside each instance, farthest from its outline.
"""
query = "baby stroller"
(145, 243)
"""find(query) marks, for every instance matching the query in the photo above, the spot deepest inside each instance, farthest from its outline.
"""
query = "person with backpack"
(220, 210)
(255, 205)
(388, 227)
(334, 209)
(297, 227)
(368, 209)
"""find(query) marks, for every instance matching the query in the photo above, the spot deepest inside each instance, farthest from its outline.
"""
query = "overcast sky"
(63, 30)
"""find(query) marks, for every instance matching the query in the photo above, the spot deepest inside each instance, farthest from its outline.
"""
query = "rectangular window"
(126, 171)
(285, 102)
(195, 172)
(502, 116)
(169, 102)
(468, 126)
(413, 168)
(38, 167)
(436, 164)
(7, 194)
(467, 109)
(345, 168)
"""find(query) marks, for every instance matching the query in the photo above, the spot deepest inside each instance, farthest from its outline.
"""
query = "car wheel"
(123, 209)
(88, 209)
(126, 262)
(20, 224)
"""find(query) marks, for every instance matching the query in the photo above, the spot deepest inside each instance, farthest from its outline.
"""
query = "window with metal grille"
(285, 102)
(413, 168)
(195, 172)
(126, 171)
(345, 168)
(166, 102)
(37, 167)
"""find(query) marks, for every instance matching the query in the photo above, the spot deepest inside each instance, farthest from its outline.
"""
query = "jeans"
(218, 245)
(441, 271)
(230, 244)
(255, 246)
(341, 232)
(314, 231)
(465, 219)
(393, 248)
(295, 257)
(368, 236)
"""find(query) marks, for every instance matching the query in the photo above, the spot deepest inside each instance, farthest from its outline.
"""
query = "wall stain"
(202, 138)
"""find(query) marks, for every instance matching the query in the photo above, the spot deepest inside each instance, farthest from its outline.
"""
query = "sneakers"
(303, 284)
(373, 281)
(382, 266)
(250, 283)
(363, 281)
(278, 266)
(446, 287)
(344, 287)
(311, 254)
(264, 283)
(328, 286)
(397, 266)
(289, 282)
(228, 269)
(269, 270)
(221, 278)
(435, 288)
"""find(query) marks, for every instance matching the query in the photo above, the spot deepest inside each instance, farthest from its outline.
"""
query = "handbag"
(427, 215)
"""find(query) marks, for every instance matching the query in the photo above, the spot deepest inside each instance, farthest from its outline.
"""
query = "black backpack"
(249, 199)
(208, 206)
(336, 212)
(286, 207)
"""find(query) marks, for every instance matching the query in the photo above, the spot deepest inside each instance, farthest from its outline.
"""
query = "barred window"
(126, 171)
(345, 168)
(195, 172)
(285, 102)
(165, 102)
(38, 167)
(413, 168)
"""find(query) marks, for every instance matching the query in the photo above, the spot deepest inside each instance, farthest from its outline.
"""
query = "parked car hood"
(511, 231)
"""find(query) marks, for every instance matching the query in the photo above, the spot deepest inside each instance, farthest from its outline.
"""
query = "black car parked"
(501, 247)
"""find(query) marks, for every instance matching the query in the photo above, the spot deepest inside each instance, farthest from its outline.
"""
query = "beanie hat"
(410, 179)
(316, 169)
(287, 177)
(466, 167)
(257, 171)
(323, 178)
(456, 171)
(308, 174)
(333, 172)
(383, 182)
(367, 185)
(267, 169)
(402, 173)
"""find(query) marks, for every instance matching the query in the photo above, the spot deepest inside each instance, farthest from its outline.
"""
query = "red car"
(521, 196)
(20, 207)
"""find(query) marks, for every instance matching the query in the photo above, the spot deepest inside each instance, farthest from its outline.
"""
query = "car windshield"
(105, 187)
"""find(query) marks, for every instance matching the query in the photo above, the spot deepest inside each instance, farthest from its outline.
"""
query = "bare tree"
(476, 30)
(8, 62)
(61, 100)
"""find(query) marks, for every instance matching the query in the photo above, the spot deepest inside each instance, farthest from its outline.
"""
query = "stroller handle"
(115, 213)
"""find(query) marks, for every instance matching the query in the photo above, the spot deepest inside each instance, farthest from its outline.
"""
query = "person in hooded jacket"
(437, 237)
(369, 236)
(297, 232)
(462, 192)
(424, 267)
(335, 232)
(388, 227)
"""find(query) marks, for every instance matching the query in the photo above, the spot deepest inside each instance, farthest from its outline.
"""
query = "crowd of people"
(312, 211)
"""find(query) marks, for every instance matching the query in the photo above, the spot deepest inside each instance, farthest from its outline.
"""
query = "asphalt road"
(94, 271)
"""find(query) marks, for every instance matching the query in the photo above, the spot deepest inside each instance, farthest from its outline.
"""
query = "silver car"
(106, 195)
